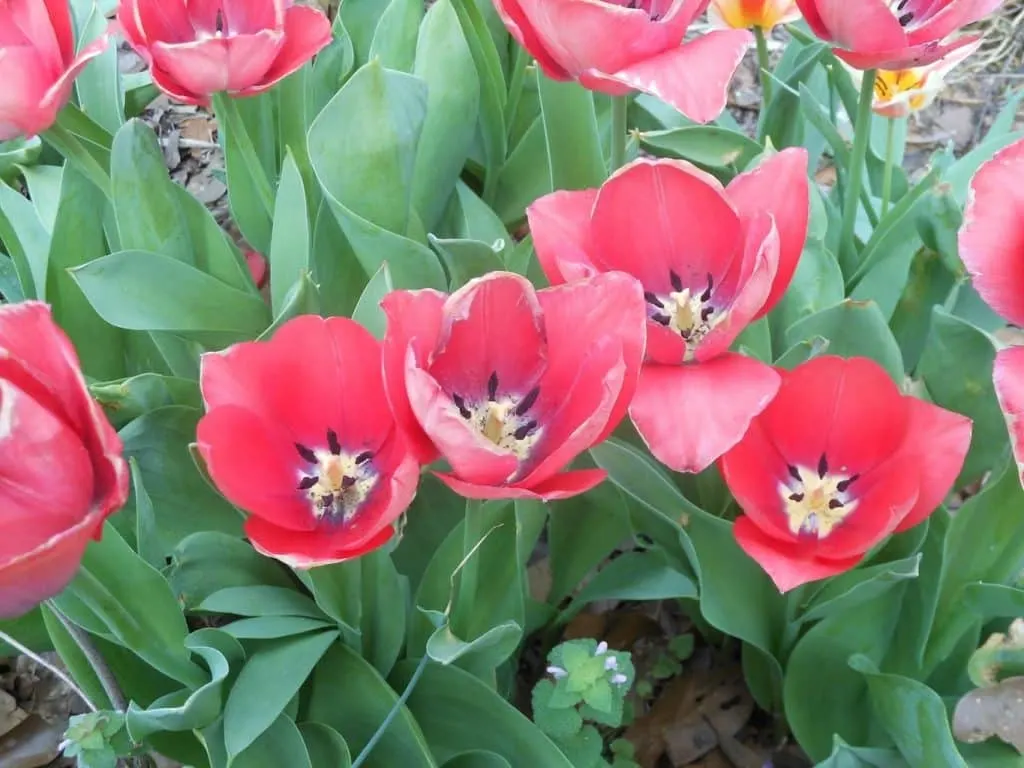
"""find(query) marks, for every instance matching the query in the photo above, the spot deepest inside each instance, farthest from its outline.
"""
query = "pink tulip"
(197, 48)
(37, 64)
(893, 34)
(630, 45)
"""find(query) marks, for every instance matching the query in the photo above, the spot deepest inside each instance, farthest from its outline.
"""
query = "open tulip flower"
(619, 46)
(510, 384)
(298, 433)
(748, 14)
(38, 64)
(196, 48)
(711, 260)
(837, 462)
(61, 469)
(894, 34)
(992, 248)
(898, 93)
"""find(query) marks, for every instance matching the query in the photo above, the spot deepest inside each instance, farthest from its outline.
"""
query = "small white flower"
(557, 672)
(602, 648)
(619, 679)
(611, 663)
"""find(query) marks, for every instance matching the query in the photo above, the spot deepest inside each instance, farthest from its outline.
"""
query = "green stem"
(230, 121)
(620, 108)
(763, 63)
(409, 688)
(861, 137)
(890, 151)
(94, 657)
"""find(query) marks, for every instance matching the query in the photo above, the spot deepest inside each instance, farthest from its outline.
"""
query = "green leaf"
(852, 589)
(478, 758)
(852, 328)
(279, 745)
(445, 63)
(845, 756)
(261, 600)
(468, 259)
(331, 67)
(208, 561)
(27, 239)
(458, 713)
(144, 291)
(289, 243)
(570, 127)
(913, 715)
(707, 145)
(817, 285)
(274, 627)
(127, 399)
(327, 748)
(361, 18)
(181, 498)
(270, 678)
(302, 298)
(930, 283)
(189, 710)
(74, 659)
(357, 717)
(488, 649)
(782, 121)
(394, 39)
(147, 537)
(368, 312)
(956, 367)
(384, 598)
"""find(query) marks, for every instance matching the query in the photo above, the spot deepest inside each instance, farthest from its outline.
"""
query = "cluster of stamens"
(689, 314)
(340, 483)
(504, 420)
(816, 502)
(903, 18)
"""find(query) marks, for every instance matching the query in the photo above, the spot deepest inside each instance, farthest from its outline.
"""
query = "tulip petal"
(561, 486)
(306, 32)
(991, 239)
(779, 186)
(166, 21)
(214, 64)
(788, 564)
(58, 14)
(846, 409)
(694, 78)
(937, 442)
(303, 550)
(413, 319)
(493, 326)
(656, 217)
(57, 95)
(25, 84)
(950, 18)
(689, 415)
(868, 25)
(560, 225)
(255, 465)
(1008, 376)
(905, 57)
(580, 316)
(521, 29)
(44, 571)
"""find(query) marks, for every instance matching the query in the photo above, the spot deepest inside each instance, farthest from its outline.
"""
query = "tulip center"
(816, 501)
(683, 310)
(889, 84)
(336, 482)
(642, 5)
(503, 420)
(904, 15)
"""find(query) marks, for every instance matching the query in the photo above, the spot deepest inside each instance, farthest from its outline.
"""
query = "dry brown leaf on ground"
(997, 710)
(32, 744)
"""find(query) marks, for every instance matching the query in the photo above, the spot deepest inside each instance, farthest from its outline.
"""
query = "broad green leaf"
(208, 561)
(524, 176)
(279, 745)
(956, 367)
(458, 714)
(274, 627)
(478, 758)
(575, 158)
(302, 298)
(73, 658)
(361, 18)
(147, 537)
(27, 240)
(270, 678)
(817, 285)
(445, 63)
(782, 122)
(384, 600)
(289, 243)
(128, 399)
(261, 600)
(845, 756)
(368, 312)
(499, 642)
(98, 86)
(394, 39)
(434, 513)
(327, 748)
(331, 67)
(929, 284)
(467, 259)
(182, 500)
(852, 589)
(348, 694)
(144, 291)
(853, 328)
(707, 145)
(913, 715)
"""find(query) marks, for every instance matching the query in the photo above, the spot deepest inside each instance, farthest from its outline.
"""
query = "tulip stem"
(379, 734)
(94, 657)
(63, 676)
(861, 138)
(763, 63)
(890, 151)
(620, 110)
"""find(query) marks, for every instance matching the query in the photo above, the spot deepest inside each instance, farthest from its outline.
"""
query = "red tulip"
(746, 14)
(61, 469)
(711, 261)
(891, 34)
(837, 462)
(196, 48)
(38, 64)
(298, 433)
(992, 248)
(618, 46)
(257, 265)
(510, 384)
